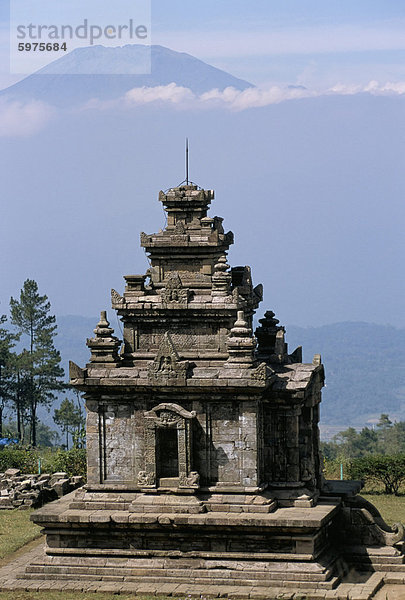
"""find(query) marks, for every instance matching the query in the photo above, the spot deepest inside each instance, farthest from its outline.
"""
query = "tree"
(383, 429)
(45, 435)
(395, 441)
(388, 470)
(7, 342)
(19, 385)
(69, 418)
(353, 444)
(40, 362)
(79, 436)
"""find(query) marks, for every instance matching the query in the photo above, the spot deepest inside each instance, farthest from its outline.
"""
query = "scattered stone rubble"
(18, 490)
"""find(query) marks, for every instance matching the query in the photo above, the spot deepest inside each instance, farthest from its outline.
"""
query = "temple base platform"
(234, 540)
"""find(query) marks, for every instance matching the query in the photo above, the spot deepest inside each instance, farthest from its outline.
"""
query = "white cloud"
(254, 97)
(173, 93)
(373, 87)
(389, 88)
(237, 100)
(23, 119)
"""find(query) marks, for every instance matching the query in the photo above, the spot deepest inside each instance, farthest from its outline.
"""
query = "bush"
(73, 461)
(385, 469)
(331, 468)
(19, 458)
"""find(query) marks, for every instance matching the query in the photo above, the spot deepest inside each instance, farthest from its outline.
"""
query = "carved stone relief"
(174, 292)
(167, 368)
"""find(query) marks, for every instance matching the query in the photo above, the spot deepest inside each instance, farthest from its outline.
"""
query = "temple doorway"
(167, 450)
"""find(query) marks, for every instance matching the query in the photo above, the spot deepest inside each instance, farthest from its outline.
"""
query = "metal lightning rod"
(186, 161)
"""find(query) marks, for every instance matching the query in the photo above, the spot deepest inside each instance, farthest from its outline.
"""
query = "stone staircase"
(383, 558)
(286, 574)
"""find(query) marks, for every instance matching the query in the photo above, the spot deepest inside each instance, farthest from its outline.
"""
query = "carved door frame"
(164, 416)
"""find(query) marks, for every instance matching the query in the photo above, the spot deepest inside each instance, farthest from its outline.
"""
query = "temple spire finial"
(187, 160)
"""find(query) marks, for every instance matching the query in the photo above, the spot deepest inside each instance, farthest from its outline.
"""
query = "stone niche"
(202, 438)
(168, 448)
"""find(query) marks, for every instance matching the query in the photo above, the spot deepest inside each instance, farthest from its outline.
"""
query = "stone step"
(241, 508)
(381, 567)
(375, 563)
(196, 564)
(217, 576)
(217, 508)
(307, 584)
(281, 574)
(381, 560)
(370, 550)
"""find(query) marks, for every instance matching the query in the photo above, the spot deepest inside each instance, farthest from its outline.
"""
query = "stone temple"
(204, 471)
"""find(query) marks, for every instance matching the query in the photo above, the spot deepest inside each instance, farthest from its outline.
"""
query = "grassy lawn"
(392, 508)
(16, 530)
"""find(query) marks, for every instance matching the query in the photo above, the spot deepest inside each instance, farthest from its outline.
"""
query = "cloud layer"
(233, 99)
(19, 119)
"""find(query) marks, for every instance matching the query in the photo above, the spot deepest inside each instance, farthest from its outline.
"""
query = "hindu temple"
(204, 467)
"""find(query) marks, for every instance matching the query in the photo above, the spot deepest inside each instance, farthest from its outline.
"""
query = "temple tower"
(200, 403)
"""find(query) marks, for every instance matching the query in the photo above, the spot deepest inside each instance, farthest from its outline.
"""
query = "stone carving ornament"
(168, 418)
(146, 479)
(261, 373)
(116, 298)
(167, 368)
(180, 228)
(174, 291)
(192, 481)
(167, 414)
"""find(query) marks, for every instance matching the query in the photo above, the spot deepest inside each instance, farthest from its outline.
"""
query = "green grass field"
(16, 530)
(392, 508)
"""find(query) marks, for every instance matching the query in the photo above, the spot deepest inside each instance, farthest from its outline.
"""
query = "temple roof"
(188, 321)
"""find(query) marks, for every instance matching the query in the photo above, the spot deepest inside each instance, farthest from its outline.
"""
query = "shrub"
(332, 468)
(19, 458)
(385, 469)
(73, 461)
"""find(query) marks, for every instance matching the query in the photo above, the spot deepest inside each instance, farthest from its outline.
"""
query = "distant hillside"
(364, 366)
(64, 82)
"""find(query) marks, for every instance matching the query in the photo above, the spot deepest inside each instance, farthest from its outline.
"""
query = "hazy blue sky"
(310, 43)
(291, 41)
(313, 188)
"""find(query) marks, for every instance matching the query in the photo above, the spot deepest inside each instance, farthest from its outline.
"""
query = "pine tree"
(7, 342)
(39, 364)
(69, 418)
(21, 386)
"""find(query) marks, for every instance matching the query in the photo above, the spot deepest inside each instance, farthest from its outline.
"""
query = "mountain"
(64, 82)
(363, 366)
